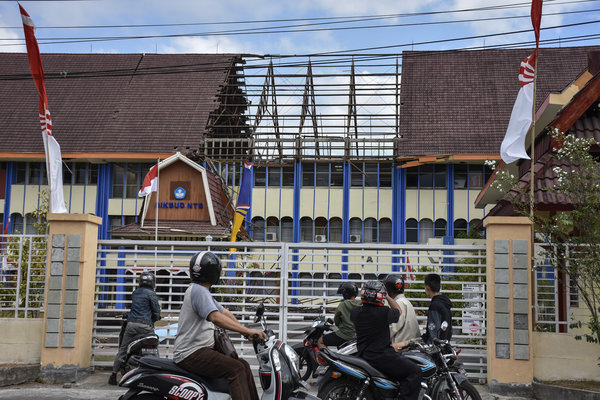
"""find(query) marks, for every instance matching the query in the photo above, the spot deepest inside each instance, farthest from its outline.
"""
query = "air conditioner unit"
(355, 239)
(320, 238)
(271, 237)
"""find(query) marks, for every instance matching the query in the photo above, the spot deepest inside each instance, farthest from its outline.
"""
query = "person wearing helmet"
(341, 319)
(439, 315)
(145, 311)
(372, 322)
(194, 344)
(407, 327)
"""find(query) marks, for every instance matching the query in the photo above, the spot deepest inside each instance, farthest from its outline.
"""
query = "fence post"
(509, 301)
(69, 304)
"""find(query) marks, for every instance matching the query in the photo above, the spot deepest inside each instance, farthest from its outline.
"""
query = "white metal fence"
(297, 282)
(22, 275)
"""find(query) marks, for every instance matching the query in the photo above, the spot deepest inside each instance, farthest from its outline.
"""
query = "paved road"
(95, 387)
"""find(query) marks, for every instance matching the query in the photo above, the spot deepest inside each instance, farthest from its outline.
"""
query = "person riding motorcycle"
(195, 337)
(145, 311)
(407, 327)
(341, 318)
(372, 322)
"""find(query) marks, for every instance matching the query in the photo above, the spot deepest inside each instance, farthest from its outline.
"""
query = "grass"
(586, 385)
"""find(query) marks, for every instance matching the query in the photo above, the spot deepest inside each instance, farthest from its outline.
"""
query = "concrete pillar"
(69, 304)
(509, 300)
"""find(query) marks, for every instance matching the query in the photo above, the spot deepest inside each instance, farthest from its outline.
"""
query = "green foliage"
(31, 254)
(574, 235)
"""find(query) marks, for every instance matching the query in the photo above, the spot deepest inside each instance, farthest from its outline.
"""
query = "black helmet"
(394, 284)
(147, 279)
(348, 290)
(373, 293)
(205, 267)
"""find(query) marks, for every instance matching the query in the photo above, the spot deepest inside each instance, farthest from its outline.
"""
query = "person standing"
(439, 316)
(341, 319)
(372, 322)
(407, 327)
(194, 344)
(145, 311)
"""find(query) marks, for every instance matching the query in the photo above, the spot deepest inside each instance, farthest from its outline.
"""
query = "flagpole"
(532, 162)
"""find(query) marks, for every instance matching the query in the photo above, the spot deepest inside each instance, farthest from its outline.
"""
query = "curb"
(552, 392)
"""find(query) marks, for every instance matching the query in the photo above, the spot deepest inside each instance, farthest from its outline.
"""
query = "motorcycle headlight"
(294, 360)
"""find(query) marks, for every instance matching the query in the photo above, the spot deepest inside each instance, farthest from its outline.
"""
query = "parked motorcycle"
(307, 350)
(159, 378)
(145, 345)
(351, 377)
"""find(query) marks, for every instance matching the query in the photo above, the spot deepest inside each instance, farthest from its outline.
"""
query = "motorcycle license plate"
(149, 352)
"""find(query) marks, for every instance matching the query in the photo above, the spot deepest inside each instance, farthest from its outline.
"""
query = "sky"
(303, 26)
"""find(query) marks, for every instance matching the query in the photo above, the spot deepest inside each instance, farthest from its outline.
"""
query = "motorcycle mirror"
(260, 311)
(329, 321)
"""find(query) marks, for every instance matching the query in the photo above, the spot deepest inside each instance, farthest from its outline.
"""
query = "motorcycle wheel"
(466, 389)
(342, 389)
(306, 368)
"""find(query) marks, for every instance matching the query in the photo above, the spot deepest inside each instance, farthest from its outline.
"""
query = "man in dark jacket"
(145, 310)
(439, 316)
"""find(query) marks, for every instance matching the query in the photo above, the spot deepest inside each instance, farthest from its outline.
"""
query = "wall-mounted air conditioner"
(320, 238)
(271, 237)
(355, 239)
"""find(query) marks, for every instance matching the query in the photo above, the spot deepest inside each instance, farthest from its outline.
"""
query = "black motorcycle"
(307, 349)
(353, 378)
(144, 345)
(159, 378)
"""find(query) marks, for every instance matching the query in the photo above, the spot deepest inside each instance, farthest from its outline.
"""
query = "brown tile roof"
(153, 103)
(460, 102)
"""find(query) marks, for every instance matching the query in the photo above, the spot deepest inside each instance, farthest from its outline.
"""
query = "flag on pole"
(521, 118)
(150, 183)
(243, 201)
(51, 146)
(513, 145)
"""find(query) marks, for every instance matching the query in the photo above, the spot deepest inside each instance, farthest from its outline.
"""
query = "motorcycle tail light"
(306, 342)
(321, 360)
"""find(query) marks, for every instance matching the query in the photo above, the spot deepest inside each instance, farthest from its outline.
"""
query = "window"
(460, 226)
(426, 176)
(306, 229)
(370, 230)
(29, 221)
(475, 176)
(274, 176)
(371, 175)
(412, 231)
(258, 229)
(16, 220)
(273, 226)
(425, 230)
(321, 226)
(305, 283)
(287, 229)
(260, 176)
(355, 226)
(440, 176)
(440, 227)
(80, 173)
(322, 175)
(308, 175)
(335, 230)
(287, 176)
(385, 230)
(337, 175)
(460, 176)
(21, 172)
(37, 174)
(125, 180)
(356, 174)
(334, 280)
(385, 175)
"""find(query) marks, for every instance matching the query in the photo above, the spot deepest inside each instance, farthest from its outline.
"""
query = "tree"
(574, 234)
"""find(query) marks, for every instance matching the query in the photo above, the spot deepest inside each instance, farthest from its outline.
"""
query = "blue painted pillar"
(398, 211)
(296, 228)
(102, 195)
(346, 217)
(10, 178)
(249, 214)
(449, 238)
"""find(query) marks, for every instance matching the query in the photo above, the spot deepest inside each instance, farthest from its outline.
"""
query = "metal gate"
(297, 282)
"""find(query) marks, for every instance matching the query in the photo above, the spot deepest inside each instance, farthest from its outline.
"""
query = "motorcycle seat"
(359, 362)
(164, 364)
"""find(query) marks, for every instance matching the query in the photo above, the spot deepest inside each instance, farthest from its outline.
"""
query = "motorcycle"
(307, 349)
(159, 378)
(352, 377)
(144, 345)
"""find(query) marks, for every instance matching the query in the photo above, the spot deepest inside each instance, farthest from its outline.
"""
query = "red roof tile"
(154, 103)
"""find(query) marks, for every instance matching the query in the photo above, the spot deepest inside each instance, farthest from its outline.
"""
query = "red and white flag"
(513, 145)
(150, 183)
(51, 146)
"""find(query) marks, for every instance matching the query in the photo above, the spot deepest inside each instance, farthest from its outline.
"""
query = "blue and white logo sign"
(180, 193)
